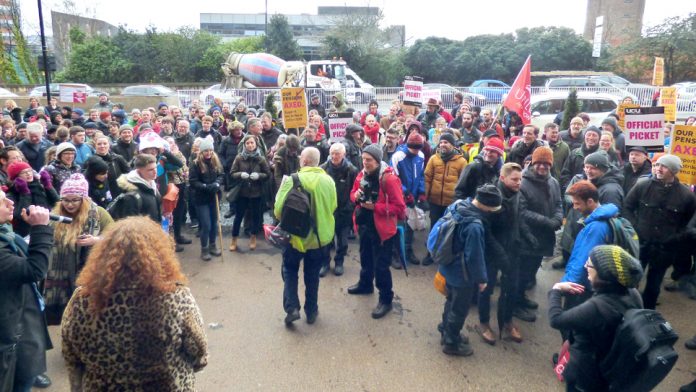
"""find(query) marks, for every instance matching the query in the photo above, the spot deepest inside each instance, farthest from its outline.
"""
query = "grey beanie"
(671, 162)
(611, 121)
(594, 129)
(375, 151)
(599, 159)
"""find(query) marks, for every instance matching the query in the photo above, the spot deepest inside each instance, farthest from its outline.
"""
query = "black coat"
(150, 202)
(270, 137)
(473, 176)
(125, 150)
(228, 152)
(631, 177)
(344, 177)
(39, 196)
(520, 151)
(575, 164)
(185, 143)
(217, 137)
(542, 210)
(204, 185)
(572, 143)
(117, 166)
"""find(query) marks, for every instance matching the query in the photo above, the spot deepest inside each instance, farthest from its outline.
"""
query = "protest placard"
(621, 114)
(668, 100)
(683, 145)
(350, 91)
(659, 72)
(73, 93)
(294, 107)
(413, 91)
(337, 125)
(644, 128)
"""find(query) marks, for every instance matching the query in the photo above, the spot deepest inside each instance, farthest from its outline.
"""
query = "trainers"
(527, 315)
(486, 333)
(292, 316)
(461, 349)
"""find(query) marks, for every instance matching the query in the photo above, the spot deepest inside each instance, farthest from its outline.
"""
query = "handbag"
(563, 358)
(233, 193)
(170, 199)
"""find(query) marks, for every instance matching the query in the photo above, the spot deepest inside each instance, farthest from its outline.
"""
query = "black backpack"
(642, 353)
(296, 215)
(116, 206)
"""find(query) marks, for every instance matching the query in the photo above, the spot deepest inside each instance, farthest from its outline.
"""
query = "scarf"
(246, 154)
(446, 156)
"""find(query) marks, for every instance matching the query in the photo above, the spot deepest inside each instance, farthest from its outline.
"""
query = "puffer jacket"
(344, 177)
(390, 206)
(441, 178)
(250, 164)
(542, 210)
(409, 167)
(59, 172)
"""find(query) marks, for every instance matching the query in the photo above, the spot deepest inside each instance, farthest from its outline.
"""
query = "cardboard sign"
(659, 72)
(644, 128)
(73, 93)
(413, 91)
(668, 99)
(620, 112)
(435, 94)
(683, 145)
(350, 91)
(338, 122)
(294, 107)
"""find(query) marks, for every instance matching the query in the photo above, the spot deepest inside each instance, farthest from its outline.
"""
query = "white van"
(362, 91)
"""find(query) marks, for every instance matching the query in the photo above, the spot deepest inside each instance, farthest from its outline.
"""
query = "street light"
(44, 55)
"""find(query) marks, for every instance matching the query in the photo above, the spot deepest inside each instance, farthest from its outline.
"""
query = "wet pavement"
(346, 350)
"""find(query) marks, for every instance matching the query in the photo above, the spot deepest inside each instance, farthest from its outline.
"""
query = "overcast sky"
(454, 20)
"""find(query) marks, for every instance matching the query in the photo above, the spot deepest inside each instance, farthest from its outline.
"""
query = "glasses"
(71, 201)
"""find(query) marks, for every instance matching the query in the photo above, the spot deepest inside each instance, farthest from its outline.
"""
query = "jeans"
(255, 212)
(192, 210)
(208, 221)
(179, 214)
(455, 312)
(655, 260)
(313, 260)
(341, 243)
(23, 385)
(529, 265)
(436, 212)
(375, 259)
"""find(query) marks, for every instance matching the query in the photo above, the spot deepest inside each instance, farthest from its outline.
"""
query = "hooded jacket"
(474, 175)
(390, 206)
(343, 177)
(470, 237)
(441, 178)
(353, 151)
(409, 167)
(150, 203)
(340, 104)
(542, 209)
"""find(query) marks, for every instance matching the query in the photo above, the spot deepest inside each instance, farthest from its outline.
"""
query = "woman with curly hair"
(132, 324)
(71, 243)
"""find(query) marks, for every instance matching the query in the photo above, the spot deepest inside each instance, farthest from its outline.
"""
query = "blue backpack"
(442, 240)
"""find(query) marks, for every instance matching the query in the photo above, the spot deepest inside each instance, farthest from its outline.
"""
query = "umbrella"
(402, 247)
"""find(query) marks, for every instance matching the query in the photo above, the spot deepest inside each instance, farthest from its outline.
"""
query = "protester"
(25, 189)
(638, 166)
(116, 164)
(132, 278)
(34, 146)
(484, 170)
(126, 147)
(576, 161)
(573, 136)
(354, 141)
(287, 159)
(206, 179)
(179, 178)
(63, 166)
(97, 176)
(560, 148)
(143, 196)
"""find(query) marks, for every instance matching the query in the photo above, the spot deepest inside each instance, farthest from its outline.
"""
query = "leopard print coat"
(139, 342)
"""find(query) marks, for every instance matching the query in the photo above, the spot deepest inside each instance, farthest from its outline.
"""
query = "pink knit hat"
(75, 185)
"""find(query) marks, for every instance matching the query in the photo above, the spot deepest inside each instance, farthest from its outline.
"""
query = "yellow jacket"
(441, 178)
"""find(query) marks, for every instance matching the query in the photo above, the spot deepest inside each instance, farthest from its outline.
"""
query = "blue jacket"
(410, 169)
(82, 153)
(471, 239)
(596, 232)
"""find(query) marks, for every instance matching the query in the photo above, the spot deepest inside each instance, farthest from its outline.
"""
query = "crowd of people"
(519, 194)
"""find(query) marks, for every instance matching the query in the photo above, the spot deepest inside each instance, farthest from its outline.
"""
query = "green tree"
(280, 41)
(97, 60)
(17, 63)
(571, 109)
(269, 105)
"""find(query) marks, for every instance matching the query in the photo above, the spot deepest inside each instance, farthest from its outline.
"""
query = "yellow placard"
(659, 72)
(621, 114)
(294, 107)
(668, 99)
(683, 145)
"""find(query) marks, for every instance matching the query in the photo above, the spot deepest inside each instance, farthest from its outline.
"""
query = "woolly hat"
(124, 127)
(94, 166)
(120, 113)
(64, 147)
(490, 196)
(151, 140)
(162, 105)
(214, 108)
(207, 143)
(594, 129)
(614, 264)
(449, 138)
(599, 159)
(90, 125)
(104, 115)
(611, 121)
(495, 145)
(375, 151)
(78, 111)
(15, 168)
(671, 162)
(76, 185)
(415, 140)
(542, 154)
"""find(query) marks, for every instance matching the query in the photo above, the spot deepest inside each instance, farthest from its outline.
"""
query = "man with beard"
(315, 104)
(484, 170)
(526, 146)
(427, 119)
(387, 120)
(488, 123)
(470, 134)
(76, 117)
(269, 133)
(573, 135)
(561, 151)
(391, 143)
(354, 141)
(343, 174)
(542, 211)
(310, 140)
(576, 160)
(638, 166)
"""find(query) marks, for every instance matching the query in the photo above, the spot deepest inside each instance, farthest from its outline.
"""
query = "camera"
(368, 194)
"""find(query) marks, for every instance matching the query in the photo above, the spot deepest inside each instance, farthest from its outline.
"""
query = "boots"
(233, 244)
(252, 242)
(511, 332)
(205, 253)
(214, 250)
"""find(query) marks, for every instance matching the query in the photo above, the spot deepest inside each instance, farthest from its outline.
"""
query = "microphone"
(55, 218)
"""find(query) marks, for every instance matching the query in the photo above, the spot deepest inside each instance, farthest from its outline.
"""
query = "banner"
(644, 127)
(683, 145)
(621, 114)
(659, 72)
(337, 125)
(413, 91)
(668, 100)
(435, 94)
(294, 107)
(519, 98)
(73, 93)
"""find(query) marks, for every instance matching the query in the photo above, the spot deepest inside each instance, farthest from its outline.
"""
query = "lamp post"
(44, 55)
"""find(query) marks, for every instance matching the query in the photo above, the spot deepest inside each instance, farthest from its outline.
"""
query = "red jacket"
(390, 206)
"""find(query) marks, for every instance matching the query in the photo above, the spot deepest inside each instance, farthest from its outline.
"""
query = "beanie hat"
(104, 115)
(314, 96)
(611, 121)
(449, 138)
(214, 108)
(95, 166)
(495, 145)
(599, 159)
(64, 147)
(543, 154)
(78, 111)
(75, 185)
(124, 127)
(120, 113)
(594, 129)
(490, 133)
(614, 264)
(375, 151)
(162, 105)
(151, 140)
(415, 140)
(207, 143)
(90, 125)
(15, 168)
(490, 196)
(671, 162)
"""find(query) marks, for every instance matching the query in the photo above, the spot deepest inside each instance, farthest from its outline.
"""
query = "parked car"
(588, 83)
(216, 91)
(40, 91)
(5, 93)
(493, 90)
(545, 107)
(148, 89)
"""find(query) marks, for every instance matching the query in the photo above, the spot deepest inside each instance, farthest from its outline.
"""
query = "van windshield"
(339, 72)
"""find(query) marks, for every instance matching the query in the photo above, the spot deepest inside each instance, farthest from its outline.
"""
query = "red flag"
(518, 99)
